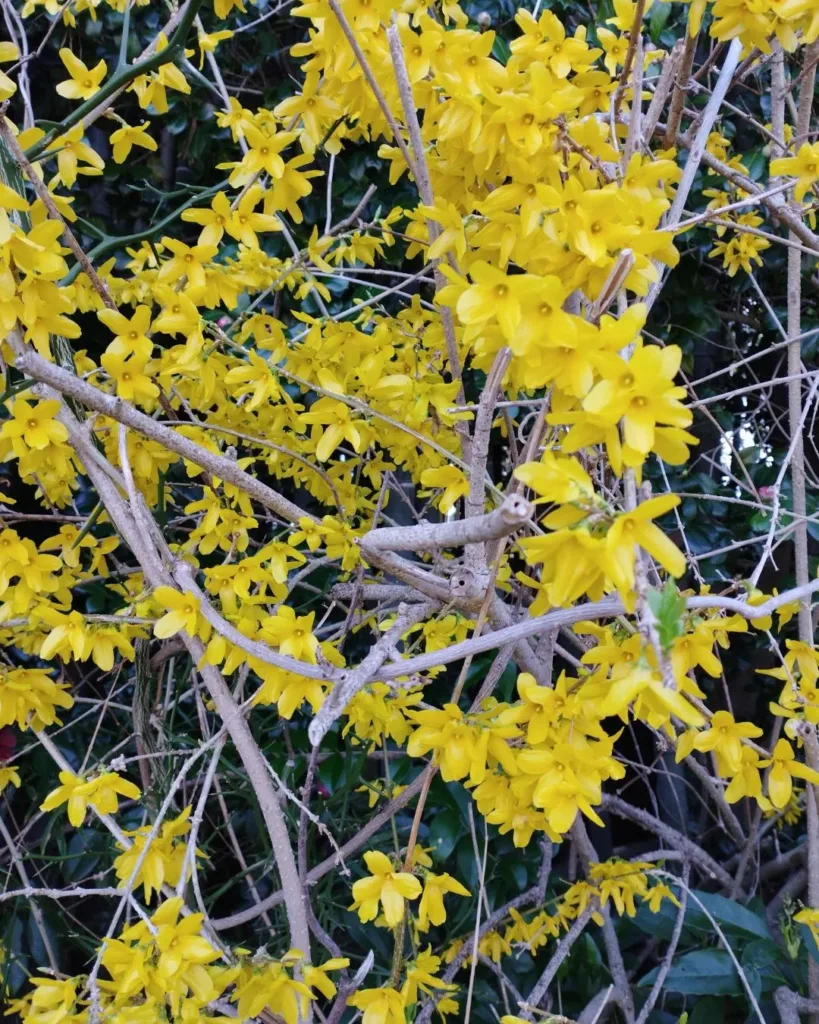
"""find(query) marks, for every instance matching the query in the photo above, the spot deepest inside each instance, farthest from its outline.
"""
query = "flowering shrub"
(408, 512)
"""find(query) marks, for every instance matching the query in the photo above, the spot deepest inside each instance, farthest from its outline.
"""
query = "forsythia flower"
(263, 982)
(183, 612)
(100, 791)
(804, 167)
(29, 698)
(386, 886)
(809, 917)
(725, 737)
(163, 862)
(292, 634)
(84, 82)
(453, 481)
(431, 908)
(178, 956)
(125, 138)
(33, 426)
(784, 769)
(379, 1005)
(8, 52)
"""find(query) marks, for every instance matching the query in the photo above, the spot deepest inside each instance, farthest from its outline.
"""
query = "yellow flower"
(741, 252)
(338, 423)
(291, 633)
(804, 167)
(747, 781)
(264, 154)
(647, 685)
(379, 1005)
(84, 82)
(315, 109)
(809, 917)
(132, 384)
(431, 908)
(9, 775)
(183, 612)
(421, 976)
(9, 200)
(556, 479)
(461, 747)
(309, 532)
(213, 221)
(634, 528)
(55, 999)
(100, 791)
(70, 151)
(784, 769)
(179, 942)
(386, 886)
(493, 297)
(188, 261)
(316, 977)
(640, 392)
(33, 426)
(29, 698)
(615, 47)
(163, 862)
(128, 136)
(453, 481)
(8, 53)
(131, 336)
(268, 983)
(167, 962)
(655, 896)
(725, 739)
(151, 89)
(621, 882)
(208, 41)
(625, 12)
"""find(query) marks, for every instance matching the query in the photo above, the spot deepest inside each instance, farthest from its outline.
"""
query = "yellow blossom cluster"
(538, 216)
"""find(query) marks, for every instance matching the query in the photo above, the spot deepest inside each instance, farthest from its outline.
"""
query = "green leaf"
(668, 608)
(707, 1011)
(444, 833)
(733, 918)
(657, 22)
(85, 851)
(757, 164)
(737, 922)
(705, 972)
(467, 865)
(501, 50)
(762, 962)
(661, 924)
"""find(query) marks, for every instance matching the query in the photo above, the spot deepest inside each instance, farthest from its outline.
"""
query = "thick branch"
(513, 513)
(33, 365)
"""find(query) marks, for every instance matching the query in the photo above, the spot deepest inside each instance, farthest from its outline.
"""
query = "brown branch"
(681, 77)
(350, 36)
(513, 513)
(427, 196)
(706, 864)
(564, 947)
(66, 383)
